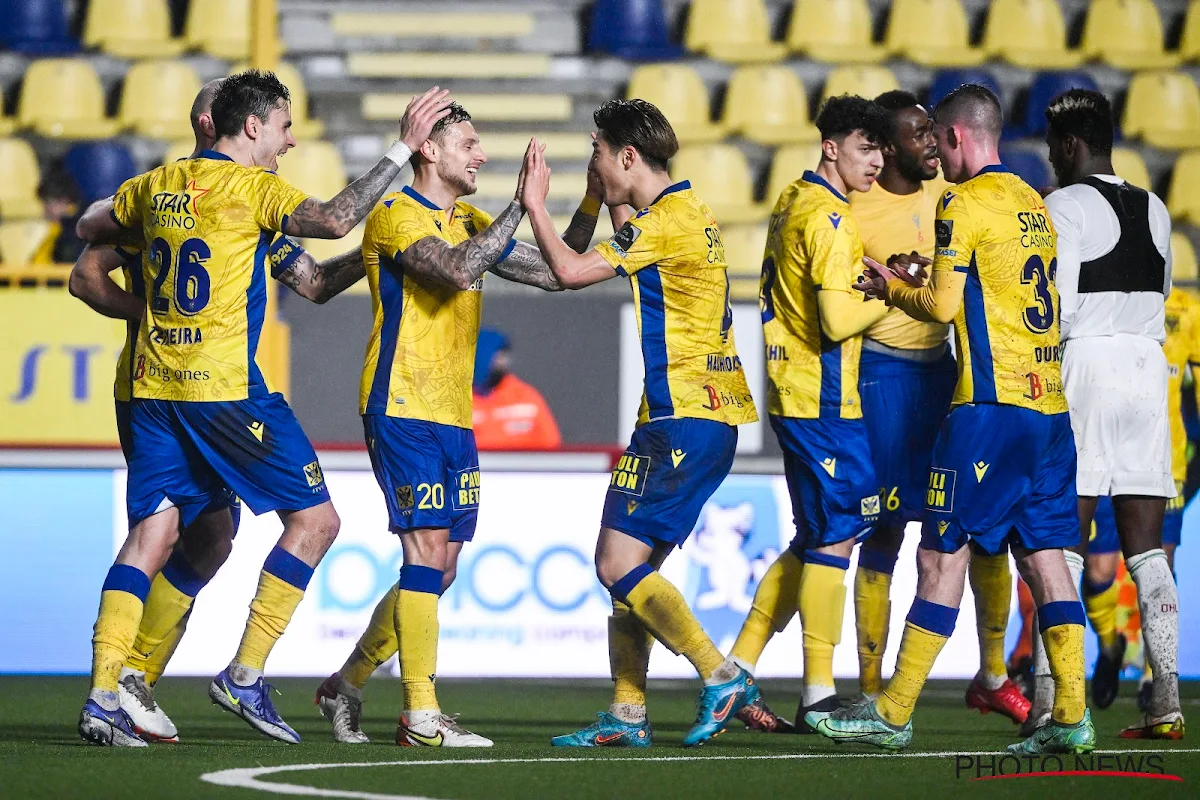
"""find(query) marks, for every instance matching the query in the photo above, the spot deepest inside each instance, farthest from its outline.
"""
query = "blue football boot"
(608, 731)
(107, 728)
(719, 704)
(253, 704)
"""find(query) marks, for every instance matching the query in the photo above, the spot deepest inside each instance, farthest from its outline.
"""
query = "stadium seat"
(37, 27)
(1183, 197)
(495, 107)
(1030, 34)
(1125, 33)
(680, 94)
(834, 31)
(180, 148)
(131, 28)
(321, 249)
(315, 167)
(721, 177)
(220, 28)
(1163, 109)
(7, 124)
(948, 80)
(156, 99)
(737, 31)
(63, 98)
(1129, 165)
(635, 30)
(768, 105)
(787, 166)
(1031, 122)
(1189, 40)
(18, 190)
(867, 81)
(1030, 166)
(744, 246)
(20, 240)
(933, 33)
(303, 125)
(99, 168)
(1183, 260)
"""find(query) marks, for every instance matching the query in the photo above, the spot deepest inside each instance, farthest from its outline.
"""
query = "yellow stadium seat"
(1126, 34)
(497, 107)
(768, 105)
(933, 33)
(788, 165)
(18, 190)
(1030, 34)
(834, 31)
(62, 97)
(20, 240)
(131, 28)
(220, 28)
(737, 31)
(156, 99)
(180, 148)
(1129, 165)
(868, 81)
(1183, 198)
(1189, 40)
(7, 124)
(1163, 109)
(303, 126)
(680, 94)
(315, 167)
(744, 246)
(721, 177)
(1183, 260)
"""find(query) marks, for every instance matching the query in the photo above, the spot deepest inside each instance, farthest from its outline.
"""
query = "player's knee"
(326, 526)
(1100, 572)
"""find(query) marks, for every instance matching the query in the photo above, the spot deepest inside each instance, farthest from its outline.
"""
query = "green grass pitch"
(42, 756)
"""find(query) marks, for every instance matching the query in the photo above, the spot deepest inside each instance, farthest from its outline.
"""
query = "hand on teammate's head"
(422, 114)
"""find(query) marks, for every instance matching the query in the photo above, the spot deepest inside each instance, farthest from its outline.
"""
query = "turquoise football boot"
(608, 731)
(1055, 737)
(860, 724)
(719, 704)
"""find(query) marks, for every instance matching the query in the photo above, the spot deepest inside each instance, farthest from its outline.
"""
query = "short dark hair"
(57, 184)
(245, 94)
(843, 115)
(640, 125)
(893, 101)
(1084, 114)
(457, 114)
(973, 106)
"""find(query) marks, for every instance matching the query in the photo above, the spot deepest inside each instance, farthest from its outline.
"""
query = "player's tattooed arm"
(461, 265)
(90, 282)
(526, 265)
(322, 281)
(579, 233)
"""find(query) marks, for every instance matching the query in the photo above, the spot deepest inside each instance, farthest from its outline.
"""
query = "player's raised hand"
(422, 114)
(910, 268)
(873, 282)
(534, 183)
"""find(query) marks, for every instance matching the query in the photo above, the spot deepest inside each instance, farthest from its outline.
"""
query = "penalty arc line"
(248, 777)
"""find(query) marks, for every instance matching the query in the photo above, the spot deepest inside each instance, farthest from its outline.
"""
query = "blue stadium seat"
(1032, 168)
(1046, 86)
(631, 29)
(948, 80)
(36, 27)
(99, 168)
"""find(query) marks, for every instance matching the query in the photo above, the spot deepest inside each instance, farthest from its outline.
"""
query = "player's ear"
(252, 126)
(207, 126)
(829, 150)
(428, 150)
(629, 156)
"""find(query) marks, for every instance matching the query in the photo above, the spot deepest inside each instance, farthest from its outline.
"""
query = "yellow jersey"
(995, 229)
(900, 223)
(207, 223)
(421, 355)
(672, 253)
(812, 245)
(1181, 349)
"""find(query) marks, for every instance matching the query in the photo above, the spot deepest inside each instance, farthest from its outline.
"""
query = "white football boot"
(343, 711)
(137, 700)
(435, 729)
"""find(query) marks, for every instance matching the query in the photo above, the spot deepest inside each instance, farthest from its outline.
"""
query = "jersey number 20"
(1039, 318)
(191, 287)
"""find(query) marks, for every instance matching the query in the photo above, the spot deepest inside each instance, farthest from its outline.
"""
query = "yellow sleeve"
(274, 200)
(129, 203)
(834, 251)
(844, 315)
(937, 301)
(638, 244)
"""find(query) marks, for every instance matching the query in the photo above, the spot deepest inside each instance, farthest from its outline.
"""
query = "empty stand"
(836, 31)
(1030, 34)
(768, 105)
(1129, 165)
(20, 240)
(498, 107)
(315, 167)
(867, 81)
(1163, 108)
(220, 28)
(180, 148)
(1045, 87)
(631, 29)
(1030, 166)
(682, 97)
(62, 97)
(99, 168)
(574, 145)
(1126, 34)
(787, 166)
(156, 99)
(947, 81)
(1183, 260)
(447, 65)
(934, 33)
(1183, 198)
(1189, 39)
(430, 24)
(18, 190)
(721, 178)
(744, 246)
(37, 27)
(131, 28)
(495, 184)
(737, 31)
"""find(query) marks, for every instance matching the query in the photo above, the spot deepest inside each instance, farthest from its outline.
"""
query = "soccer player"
(1004, 462)
(203, 420)
(426, 251)
(812, 326)
(695, 397)
(906, 377)
(1114, 272)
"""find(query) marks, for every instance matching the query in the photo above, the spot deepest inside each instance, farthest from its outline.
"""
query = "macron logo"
(835, 220)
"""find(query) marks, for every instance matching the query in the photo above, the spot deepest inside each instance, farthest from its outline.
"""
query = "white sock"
(746, 665)
(1158, 603)
(243, 675)
(1043, 682)
(109, 701)
(723, 674)
(414, 718)
(1075, 564)
(989, 681)
(628, 712)
(815, 694)
(126, 672)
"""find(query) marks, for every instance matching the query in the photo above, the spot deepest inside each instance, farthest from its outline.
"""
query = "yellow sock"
(281, 586)
(629, 646)
(822, 606)
(156, 664)
(872, 613)
(661, 608)
(991, 582)
(121, 601)
(926, 632)
(1061, 625)
(416, 623)
(165, 607)
(377, 644)
(1101, 610)
(775, 603)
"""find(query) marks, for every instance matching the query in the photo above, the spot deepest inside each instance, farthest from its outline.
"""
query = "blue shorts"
(196, 455)
(903, 403)
(827, 463)
(1104, 529)
(668, 472)
(1002, 475)
(428, 472)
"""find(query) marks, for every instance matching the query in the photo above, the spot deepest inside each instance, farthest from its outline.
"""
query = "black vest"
(1134, 264)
